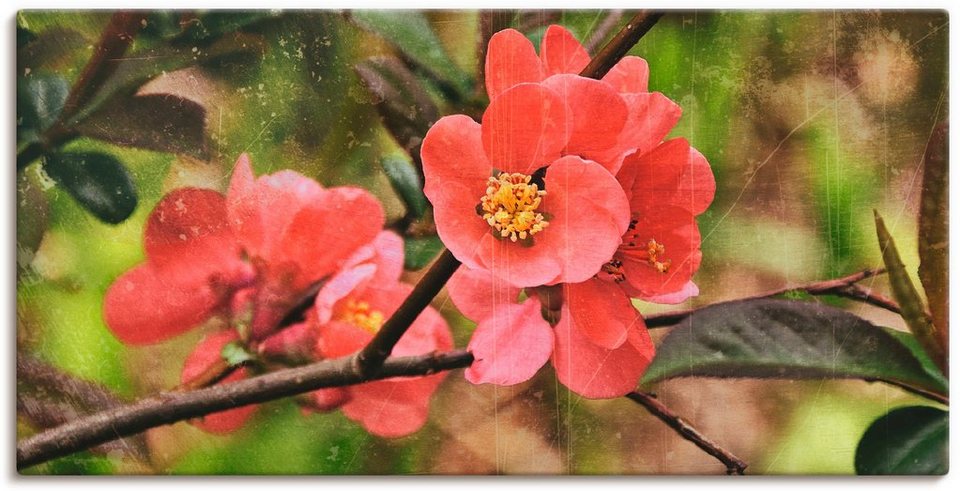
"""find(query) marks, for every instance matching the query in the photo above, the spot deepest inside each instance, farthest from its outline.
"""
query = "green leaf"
(406, 108)
(234, 354)
(911, 305)
(40, 99)
(911, 343)
(934, 235)
(216, 23)
(99, 182)
(419, 251)
(769, 338)
(160, 122)
(406, 182)
(411, 34)
(908, 440)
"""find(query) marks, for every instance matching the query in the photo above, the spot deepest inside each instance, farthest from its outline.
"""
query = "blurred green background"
(809, 120)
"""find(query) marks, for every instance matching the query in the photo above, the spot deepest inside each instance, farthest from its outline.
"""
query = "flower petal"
(525, 128)
(561, 52)
(327, 231)
(595, 372)
(188, 231)
(243, 205)
(589, 212)
(339, 287)
(329, 399)
(697, 184)
(650, 118)
(477, 293)
(674, 228)
(689, 290)
(337, 338)
(518, 264)
(652, 179)
(601, 311)
(597, 111)
(511, 60)
(145, 306)
(456, 170)
(510, 345)
(203, 357)
(393, 407)
(629, 75)
(293, 343)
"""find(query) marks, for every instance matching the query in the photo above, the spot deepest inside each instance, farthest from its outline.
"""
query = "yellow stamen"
(361, 315)
(655, 250)
(510, 206)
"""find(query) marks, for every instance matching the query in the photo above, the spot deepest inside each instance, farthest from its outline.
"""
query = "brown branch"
(35, 373)
(379, 348)
(843, 287)
(614, 50)
(171, 407)
(603, 30)
(673, 420)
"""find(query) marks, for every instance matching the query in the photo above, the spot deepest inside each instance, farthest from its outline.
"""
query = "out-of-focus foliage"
(907, 440)
(806, 134)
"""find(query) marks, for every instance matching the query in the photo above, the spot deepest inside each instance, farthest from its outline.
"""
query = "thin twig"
(379, 348)
(843, 287)
(603, 30)
(170, 407)
(673, 420)
(639, 25)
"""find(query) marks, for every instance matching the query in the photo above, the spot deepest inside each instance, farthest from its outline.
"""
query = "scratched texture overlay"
(810, 121)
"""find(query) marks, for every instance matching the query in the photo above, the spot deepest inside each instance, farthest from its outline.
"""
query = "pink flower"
(598, 345)
(249, 256)
(207, 354)
(349, 309)
(511, 193)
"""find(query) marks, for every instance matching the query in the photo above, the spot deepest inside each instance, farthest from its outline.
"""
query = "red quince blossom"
(585, 325)
(349, 309)
(527, 192)
(249, 255)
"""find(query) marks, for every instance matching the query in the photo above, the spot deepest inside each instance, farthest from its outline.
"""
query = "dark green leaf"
(49, 50)
(161, 122)
(411, 34)
(911, 343)
(934, 236)
(24, 36)
(219, 22)
(99, 182)
(406, 182)
(40, 99)
(908, 440)
(769, 338)
(419, 251)
(406, 108)
(911, 305)
(234, 354)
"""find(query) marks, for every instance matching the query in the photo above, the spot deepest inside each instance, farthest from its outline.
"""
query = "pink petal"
(293, 343)
(674, 228)
(145, 306)
(598, 112)
(518, 264)
(429, 332)
(650, 118)
(456, 170)
(338, 338)
(601, 311)
(687, 291)
(205, 355)
(327, 231)
(697, 185)
(511, 60)
(340, 287)
(525, 128)
(511, 345)
(329, 399)
(629, 75)
(243, 205)
(389, 256)
(394, 407)
(656, 174)
(188, 231)
(561, 52)
(589, 215)
(477, 293)
(595, 372)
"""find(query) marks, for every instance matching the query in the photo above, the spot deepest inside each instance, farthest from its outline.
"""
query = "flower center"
(510, 206)
(361, 315)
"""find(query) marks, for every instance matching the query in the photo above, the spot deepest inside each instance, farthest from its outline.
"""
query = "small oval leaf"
(787, 339)
(40, 99)
(99, 182)
(406, 182)
(906, 441)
